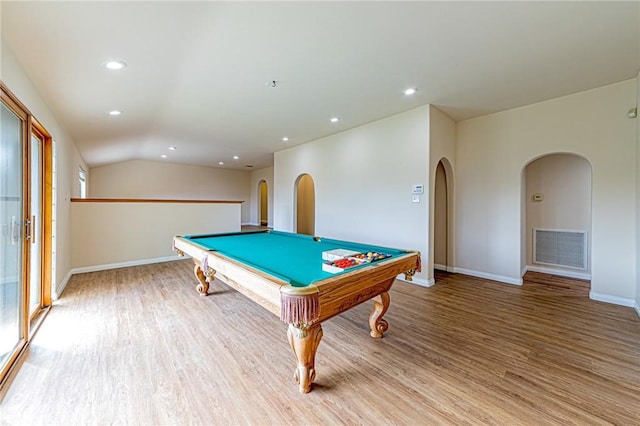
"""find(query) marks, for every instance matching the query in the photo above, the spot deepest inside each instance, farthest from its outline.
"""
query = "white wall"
(638, 198)
(565, 183)
(442, 145)
(106, 233)
(491, 153)
(265, 174)
(363, 180)
(155, 179)
(68, 159)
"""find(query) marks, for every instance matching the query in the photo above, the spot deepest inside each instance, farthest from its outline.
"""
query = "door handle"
(27, 229)
(32, 229)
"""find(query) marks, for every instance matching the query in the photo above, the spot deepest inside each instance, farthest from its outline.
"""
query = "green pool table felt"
(294, 258)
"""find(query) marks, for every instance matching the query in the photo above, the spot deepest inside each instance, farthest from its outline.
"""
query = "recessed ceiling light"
(285, 139)
(221, 163)
(334, 119)
(115, 112)
(235, 157)
(115, 65)
(164, 156)
(172, 148)
(410, 91)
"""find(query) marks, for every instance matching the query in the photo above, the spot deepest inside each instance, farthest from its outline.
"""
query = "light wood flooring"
(140, 346)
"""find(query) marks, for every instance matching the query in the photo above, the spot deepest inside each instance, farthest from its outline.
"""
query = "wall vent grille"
(560, 248)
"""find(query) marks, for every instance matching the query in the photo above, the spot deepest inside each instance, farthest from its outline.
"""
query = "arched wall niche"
(556, 195)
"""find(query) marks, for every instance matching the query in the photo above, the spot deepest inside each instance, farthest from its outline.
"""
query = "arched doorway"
(556, 216)
(263, 203)
(440, 220)
(305, 205)
(442, 239)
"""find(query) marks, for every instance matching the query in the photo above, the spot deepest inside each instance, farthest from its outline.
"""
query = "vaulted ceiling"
(200, 75)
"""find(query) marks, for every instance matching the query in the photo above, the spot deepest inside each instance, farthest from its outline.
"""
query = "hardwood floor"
(139, 346)
(555, 285)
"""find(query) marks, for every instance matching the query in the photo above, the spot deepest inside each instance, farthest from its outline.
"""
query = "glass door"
(12, 297)
(35, 236)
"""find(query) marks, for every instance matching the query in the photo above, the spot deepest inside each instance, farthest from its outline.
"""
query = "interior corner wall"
(491, 153)
(155, 179)
(68, 159)
(637, 303)
(363, 179)
(256, 176)
(442, 143)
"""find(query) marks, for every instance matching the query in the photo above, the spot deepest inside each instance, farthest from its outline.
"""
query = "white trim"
(501, 278)
(637, 308)
(524, 270)
(61, 286)
(417, 281)
(445, 268)
(622, 301)
(127, 264)
(561, 272)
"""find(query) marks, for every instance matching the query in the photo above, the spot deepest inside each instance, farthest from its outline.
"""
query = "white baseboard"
(443, 268)
(95, 268)
(637, 308)
(417, 281)
(61, 286)
(622, 301)
(560, 272)
(500, 278)
(84, 269)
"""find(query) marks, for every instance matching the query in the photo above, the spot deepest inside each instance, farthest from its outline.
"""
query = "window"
(82, 178)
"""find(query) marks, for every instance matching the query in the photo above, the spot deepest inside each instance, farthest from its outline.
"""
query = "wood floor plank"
(140, 346)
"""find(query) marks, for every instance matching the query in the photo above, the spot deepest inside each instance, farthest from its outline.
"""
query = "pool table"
(283, 272)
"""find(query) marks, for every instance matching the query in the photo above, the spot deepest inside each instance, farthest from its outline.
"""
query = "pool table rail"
(336, 293)
(259, 286)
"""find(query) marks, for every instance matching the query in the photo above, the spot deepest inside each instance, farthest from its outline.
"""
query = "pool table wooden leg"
(304, 341)
(204, 278)
(380, 306)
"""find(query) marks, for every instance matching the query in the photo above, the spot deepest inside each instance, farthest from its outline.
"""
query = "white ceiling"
(197, 70)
